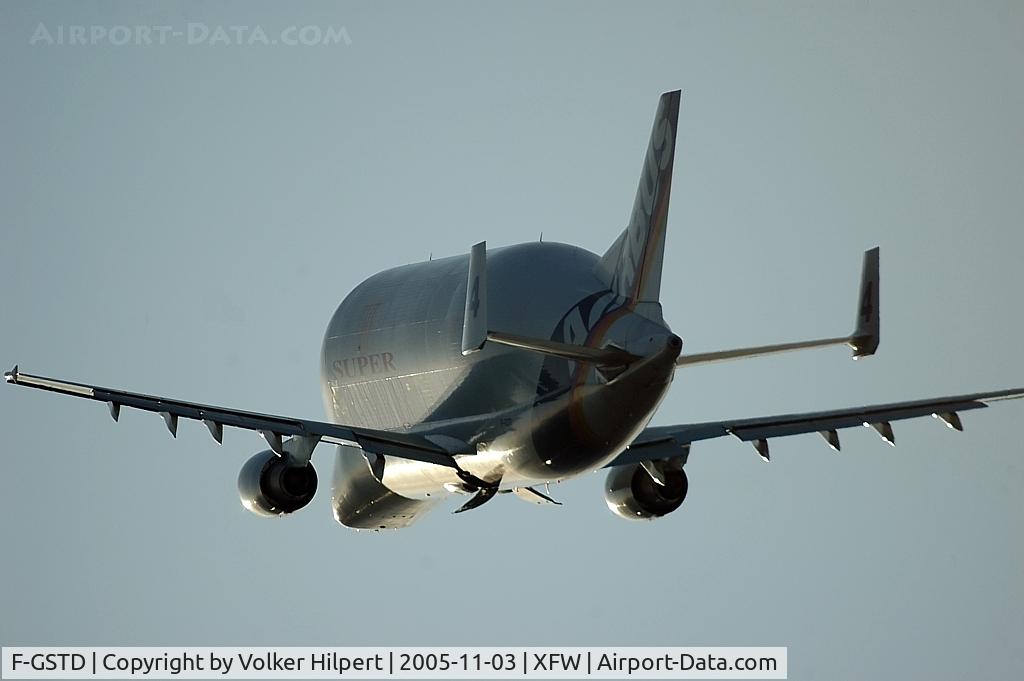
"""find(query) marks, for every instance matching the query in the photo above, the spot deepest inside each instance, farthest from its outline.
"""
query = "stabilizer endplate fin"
(474, 325)
(866, 334)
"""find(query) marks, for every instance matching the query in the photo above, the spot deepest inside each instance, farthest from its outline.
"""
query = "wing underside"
(664, 442)
(274, 429)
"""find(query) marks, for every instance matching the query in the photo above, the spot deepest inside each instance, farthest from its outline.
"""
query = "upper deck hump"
(391, 355)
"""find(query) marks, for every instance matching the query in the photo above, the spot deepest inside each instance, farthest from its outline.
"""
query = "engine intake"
(271, 486)
(632, 493)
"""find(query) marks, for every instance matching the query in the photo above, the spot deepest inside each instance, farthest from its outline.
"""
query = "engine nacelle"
(632, 493)
(271, 486)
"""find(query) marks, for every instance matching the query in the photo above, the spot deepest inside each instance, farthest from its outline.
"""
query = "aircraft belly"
(360, 500)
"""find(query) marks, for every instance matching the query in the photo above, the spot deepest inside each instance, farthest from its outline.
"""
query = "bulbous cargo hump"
(392, 357)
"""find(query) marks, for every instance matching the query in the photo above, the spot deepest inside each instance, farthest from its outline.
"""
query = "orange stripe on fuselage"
(577, 417)
(659, 219)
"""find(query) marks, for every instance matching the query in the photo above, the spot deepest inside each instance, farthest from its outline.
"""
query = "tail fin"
(632, 266)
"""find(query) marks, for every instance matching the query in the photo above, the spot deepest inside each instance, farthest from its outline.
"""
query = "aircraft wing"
(272, 428)
(664, 442)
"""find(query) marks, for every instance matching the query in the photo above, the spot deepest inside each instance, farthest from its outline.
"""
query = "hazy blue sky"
(183, 220)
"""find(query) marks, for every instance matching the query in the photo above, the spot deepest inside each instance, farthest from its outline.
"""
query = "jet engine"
(270, 485)
(632, 493)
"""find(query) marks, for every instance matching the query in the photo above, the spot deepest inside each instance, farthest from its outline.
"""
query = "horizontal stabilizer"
(475, 332)
(864, 339)
(606, 356)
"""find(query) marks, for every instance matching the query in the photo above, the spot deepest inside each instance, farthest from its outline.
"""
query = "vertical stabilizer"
(632, 266)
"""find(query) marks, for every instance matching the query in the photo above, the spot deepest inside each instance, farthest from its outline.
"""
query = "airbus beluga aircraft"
(503, 370)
